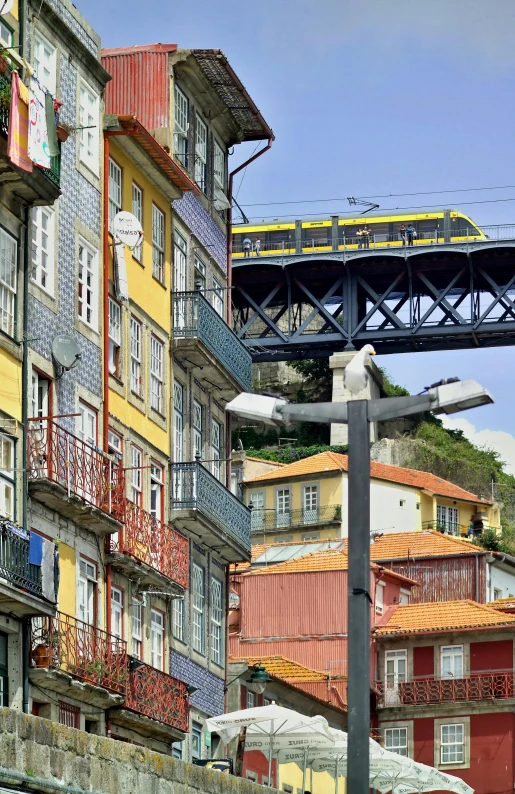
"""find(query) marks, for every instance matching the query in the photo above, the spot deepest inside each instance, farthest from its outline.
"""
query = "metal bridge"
(429, 296)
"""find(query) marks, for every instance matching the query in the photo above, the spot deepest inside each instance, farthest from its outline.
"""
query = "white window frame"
(201, 138)
(198, 428)
(7, 477)
(44, 61)
(178, 619)
(136, 334)
(199, 273)
(218, 300)
(196, 734)
(136, 475)
(6, 35)
(217, 612)
(250, 699)
(448, 517)
(39, 395)
(87, 424)
(216, 448)
(43, 248)
(87, 582)
(8, 281)
(180, 262)
(117, 612)
(157, 637)
(396, 740)
(197, 608)
(137, 211)
(158, 244)
(156, 373)
(218, 165)
(448, 756)
(87, 292)
(115, 337)
(283, 500)
(180, 126)
(379, 597)
(179, 393)
(452, 661)
(137, 629)
(156, 490)
(115, 191)
(89, 134)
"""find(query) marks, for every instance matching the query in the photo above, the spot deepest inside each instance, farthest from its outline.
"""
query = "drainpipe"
(227, 588)
(477, 577)
(25, 624)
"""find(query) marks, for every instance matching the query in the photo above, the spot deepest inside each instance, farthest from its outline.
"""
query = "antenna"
(355, 202)
(66, 352)
(126, 228)
(5, 7)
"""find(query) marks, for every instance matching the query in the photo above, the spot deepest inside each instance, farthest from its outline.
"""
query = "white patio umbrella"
(269, 728)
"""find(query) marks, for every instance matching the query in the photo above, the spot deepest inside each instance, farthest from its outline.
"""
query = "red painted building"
(445, 689)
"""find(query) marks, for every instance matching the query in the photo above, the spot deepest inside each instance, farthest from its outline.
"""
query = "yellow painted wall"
(138, 421)
(10, 388)
(67, 579)
(316, 782)
(330, 490)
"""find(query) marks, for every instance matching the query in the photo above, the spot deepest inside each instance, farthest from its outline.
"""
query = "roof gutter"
(408, 633)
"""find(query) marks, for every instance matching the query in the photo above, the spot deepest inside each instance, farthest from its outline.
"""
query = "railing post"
(110, 487)
(67, 464)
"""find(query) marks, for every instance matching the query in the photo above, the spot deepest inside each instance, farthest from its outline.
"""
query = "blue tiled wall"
(193, 214)
(210, 697)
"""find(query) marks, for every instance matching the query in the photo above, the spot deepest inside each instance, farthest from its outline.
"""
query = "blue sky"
(367, 98)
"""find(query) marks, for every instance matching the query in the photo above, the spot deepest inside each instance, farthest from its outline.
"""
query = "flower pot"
(62, 134)
(3, 65)
(42, 656)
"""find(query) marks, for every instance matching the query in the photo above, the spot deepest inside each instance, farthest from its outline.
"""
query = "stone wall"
(40, 755)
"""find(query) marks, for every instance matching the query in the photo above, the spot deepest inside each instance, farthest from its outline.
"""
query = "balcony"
(38, 186)
(78, 660)
(486, 686)
(203, 339)
(459, 530)
(156, 705)
(265, 519)
(73, 478)
(152, 551)
(21, 584)
(203, 506)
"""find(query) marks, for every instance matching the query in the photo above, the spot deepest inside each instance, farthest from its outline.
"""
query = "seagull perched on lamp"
(356, 375)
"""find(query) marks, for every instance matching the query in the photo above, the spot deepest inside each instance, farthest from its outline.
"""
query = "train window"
(280, 235)
(378, 228)
(320, 235)
(462, 227)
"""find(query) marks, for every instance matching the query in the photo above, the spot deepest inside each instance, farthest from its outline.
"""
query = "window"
(310, 504)
(257, 514)
(418, 505)
(287, 789)
(88, 284)
(136, 484)
(86, 591)
(402, 503)
(156, 374)
(283, 507)
(7, 472)
(69, 715)
(200, 153)
(135, 329)
(180, 126)
(216, 621)
(216, 447)
(219, 166)
(199, 274)
(252, 776)
(451, 661)
(379, 598)
(157, 632)
(6, 35)
(8, 266)
(177, 750)
(114, 442)
(116, 612)
(136, 630)
(4, 673)
(158, 243)
(497, 594)
(115, 191)
(452, 744)
(88, 423)
(156, 490)
(198, 425)
(178, 619)
(197, 602)
(218, 297)
(115, 337)
(266, 701)
(250, 699)
(43, 226)
(44, 62)
(396, 740)
(180, 250)
(311, 536)
(178, 421)
(40, 395)
(395, 674)
(196, 740)
(137, 211)
(404, 596)
(447, 519)
(88, 122)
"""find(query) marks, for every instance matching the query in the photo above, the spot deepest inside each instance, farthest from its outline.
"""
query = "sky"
(368, 99)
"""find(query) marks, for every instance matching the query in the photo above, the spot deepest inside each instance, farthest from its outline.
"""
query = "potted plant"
(4, 63)
(63, 131)
(96, 671)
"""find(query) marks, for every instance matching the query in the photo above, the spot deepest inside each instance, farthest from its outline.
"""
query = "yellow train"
(374, 230)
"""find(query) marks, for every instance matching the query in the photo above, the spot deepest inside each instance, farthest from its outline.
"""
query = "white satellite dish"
(65, 350)
(6, 6)
(126, 227)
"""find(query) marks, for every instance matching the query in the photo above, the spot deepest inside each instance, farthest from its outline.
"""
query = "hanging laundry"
(53, 145)
(18, 133)
(121, 285)
(38, 136)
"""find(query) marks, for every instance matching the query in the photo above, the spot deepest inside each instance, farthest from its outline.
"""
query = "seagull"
(356, 376)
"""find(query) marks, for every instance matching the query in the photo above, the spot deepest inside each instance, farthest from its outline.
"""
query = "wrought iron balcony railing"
(268, 518)
(459, 530)
(152, 542)
(159, 696)
(14, 559)
(57, 455)
(194, 317)
(83, 651)
(193, 487)
(496, 685)
(54, 173)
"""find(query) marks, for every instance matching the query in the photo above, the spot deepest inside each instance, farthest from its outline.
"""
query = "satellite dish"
(65, 350)
(126, 227)
(6, 6)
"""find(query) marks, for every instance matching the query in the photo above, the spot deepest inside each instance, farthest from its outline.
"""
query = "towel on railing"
(35, 549)
(18, 134)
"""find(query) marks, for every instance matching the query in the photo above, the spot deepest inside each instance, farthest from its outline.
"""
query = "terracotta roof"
(270, 462)
(285, 669)
(503, 604)
(443, 616)
(407, 545)
(327, 560)
(334, 461)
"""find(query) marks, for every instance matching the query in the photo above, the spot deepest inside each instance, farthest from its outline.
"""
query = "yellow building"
(307, 500)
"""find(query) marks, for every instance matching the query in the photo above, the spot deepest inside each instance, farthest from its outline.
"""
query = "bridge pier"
(338, 362)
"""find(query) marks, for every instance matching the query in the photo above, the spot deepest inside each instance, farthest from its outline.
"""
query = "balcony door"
(283, 507)
(40, 407)
(180, 261)
(448, 519)
(178, 440)
(395, 674)
(257, 516)
(451, 661)
(310, 509)
(87, 464)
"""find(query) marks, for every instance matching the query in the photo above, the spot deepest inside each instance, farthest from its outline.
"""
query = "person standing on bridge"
(410, 231)
(257, 247)
(366, 237)
(402, 232)
(246, 246)
(359, 235)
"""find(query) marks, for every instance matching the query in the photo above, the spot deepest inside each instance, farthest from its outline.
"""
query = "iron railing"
(14, 559)
(194, 487)
(156, 544)
(81, 650)
(459, 530)
(495, 685)
(56, 454)
(194, 317)
(159, 696)
(276, 519)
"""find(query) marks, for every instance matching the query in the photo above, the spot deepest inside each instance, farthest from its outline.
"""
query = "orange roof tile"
(443, 616)
(285, 669)
(503, 604)
(327, 560)
(265, 460)
(407, 545)
(333, 461)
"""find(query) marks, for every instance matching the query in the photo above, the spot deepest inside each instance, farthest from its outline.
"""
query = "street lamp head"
(458, 396)
(259, 679)
(257, 408)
